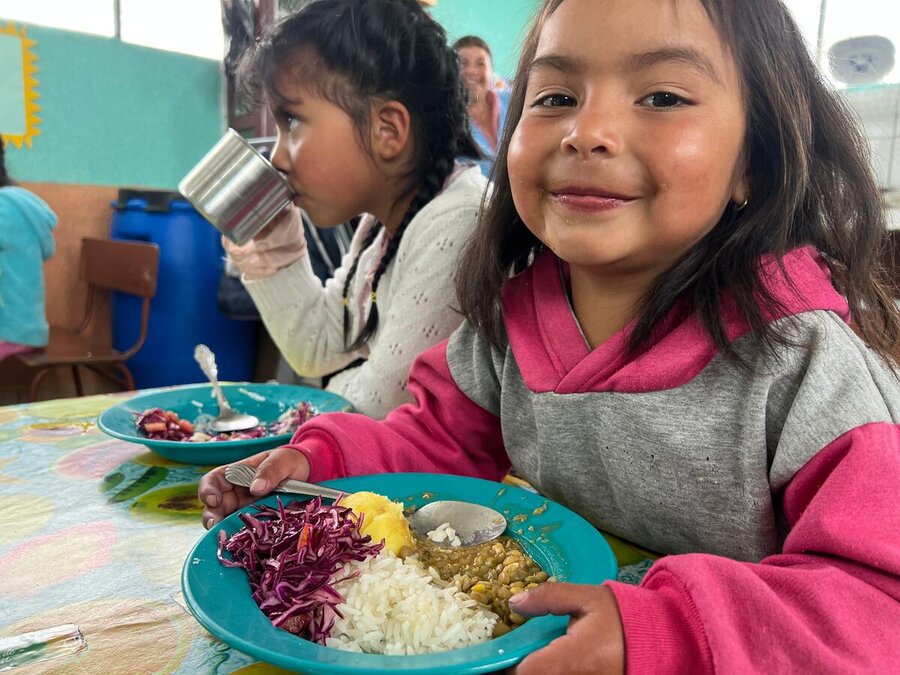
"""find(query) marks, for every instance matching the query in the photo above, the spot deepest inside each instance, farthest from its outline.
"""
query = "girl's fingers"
(212, 486)
(281, 463)
(226, 503)
(281, 217)
(553, 598)
(254, 460)
(234, 500)
(594, 641)
(221, 498)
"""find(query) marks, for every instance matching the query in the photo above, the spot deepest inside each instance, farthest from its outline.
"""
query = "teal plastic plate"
(265, 401)
(562, 542)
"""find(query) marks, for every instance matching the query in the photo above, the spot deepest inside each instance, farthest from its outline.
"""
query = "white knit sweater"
(415, 299)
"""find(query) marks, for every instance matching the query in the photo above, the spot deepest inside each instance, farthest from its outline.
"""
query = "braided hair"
(360, 52)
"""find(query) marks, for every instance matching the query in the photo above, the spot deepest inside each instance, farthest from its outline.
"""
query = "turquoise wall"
(113, 113)
(118, 114)
(501, 23)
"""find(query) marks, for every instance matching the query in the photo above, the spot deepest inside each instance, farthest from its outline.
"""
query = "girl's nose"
(280, 158)
(593, 132)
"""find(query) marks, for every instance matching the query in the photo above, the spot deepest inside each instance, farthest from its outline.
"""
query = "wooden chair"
(107, 265)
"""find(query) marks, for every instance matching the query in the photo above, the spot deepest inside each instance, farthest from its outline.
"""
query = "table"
(94, 531)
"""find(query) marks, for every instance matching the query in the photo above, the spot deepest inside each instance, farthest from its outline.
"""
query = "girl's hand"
(281, 243)
(221, 498)
(594, 641)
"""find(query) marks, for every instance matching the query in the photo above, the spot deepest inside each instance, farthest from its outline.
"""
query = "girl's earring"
(743, 204)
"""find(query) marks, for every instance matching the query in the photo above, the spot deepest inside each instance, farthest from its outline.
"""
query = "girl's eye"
(290, 121)
(555, 101)
(662, 99)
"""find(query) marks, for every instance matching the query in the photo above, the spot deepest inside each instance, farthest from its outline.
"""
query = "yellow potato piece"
(384, 519)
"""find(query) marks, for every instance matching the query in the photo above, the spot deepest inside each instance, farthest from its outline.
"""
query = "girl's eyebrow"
(280, 100)
(636, 62)
(683, 55)
(562, 64)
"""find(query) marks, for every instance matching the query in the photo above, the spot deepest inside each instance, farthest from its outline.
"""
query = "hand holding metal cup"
(236, 189)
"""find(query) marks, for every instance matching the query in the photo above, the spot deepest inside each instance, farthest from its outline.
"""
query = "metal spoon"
(228, 419)
(241, 474)
(474, 523)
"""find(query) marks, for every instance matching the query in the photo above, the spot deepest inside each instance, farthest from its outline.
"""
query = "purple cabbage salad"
(292, 555)
(165, 425)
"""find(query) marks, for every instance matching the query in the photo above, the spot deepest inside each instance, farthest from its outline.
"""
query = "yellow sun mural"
(18, 87)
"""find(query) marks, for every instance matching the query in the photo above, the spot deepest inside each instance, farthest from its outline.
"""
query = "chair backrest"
(126, 266)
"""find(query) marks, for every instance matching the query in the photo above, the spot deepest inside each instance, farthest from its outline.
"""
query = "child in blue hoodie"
(26, 241)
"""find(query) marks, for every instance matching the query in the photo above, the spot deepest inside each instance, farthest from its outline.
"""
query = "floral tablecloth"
(93, 532)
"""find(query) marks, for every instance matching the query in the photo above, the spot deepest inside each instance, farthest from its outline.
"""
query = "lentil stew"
(491, 573)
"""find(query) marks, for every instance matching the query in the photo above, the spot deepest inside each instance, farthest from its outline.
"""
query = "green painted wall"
(118, 114)
(501, 23)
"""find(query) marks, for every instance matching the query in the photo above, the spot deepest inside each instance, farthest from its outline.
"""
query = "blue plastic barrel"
(184, 311)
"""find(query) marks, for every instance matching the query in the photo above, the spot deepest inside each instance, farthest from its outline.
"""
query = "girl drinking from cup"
(693, 224)
(370, 113)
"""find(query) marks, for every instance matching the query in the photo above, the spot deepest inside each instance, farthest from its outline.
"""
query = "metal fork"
(241, 474)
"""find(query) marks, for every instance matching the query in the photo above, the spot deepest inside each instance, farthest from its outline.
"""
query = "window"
(847, 19)
(18, 95)
(806, 14)
(190, 27)
(84, 16)
(193, 27)
(854, 18)
(876, 102)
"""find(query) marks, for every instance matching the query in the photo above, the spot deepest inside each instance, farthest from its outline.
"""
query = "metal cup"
(236, 189)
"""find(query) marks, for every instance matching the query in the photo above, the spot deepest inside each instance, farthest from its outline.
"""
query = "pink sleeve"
(442, 432)
(829, 602)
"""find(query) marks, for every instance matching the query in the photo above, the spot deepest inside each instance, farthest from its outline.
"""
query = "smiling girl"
(487, 104)
(370, 113)
(693, 224)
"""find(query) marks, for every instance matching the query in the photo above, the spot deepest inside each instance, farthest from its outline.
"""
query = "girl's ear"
(740, 192)
(390, 129)
(740, 179)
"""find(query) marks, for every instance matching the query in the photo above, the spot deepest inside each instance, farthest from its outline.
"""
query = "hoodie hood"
(553, 354)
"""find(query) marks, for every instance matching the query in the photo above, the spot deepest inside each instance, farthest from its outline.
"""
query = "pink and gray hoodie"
(774, 492)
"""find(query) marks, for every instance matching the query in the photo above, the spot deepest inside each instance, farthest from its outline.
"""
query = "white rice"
(396, 606)
(251, 394)
(444, 533)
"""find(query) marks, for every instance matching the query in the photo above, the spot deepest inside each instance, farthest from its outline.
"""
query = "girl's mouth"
(588, 199)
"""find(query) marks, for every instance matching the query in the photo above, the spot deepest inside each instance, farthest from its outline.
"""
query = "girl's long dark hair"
(360, 52)
(4, 176)
(809, 179)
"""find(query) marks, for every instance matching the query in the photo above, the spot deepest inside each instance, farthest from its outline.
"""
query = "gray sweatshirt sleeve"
(476, 367)
(822, 390)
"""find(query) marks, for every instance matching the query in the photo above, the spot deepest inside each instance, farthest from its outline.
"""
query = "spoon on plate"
(228, 419)
(473, 523)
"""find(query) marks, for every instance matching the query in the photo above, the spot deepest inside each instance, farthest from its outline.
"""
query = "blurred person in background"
(488, 97)
(26, 241)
